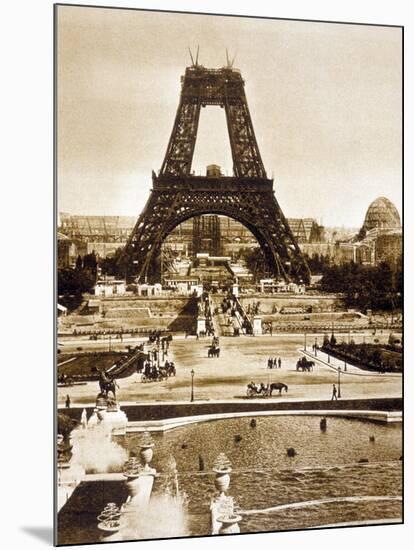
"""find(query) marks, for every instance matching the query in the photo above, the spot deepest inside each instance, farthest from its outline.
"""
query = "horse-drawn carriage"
(154, 375)
(262, 390)
(157, 374)
(305, 365)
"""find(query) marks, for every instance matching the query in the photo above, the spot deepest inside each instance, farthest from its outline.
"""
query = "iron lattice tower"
(247, 196)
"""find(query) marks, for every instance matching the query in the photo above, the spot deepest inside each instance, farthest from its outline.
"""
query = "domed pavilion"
(381, 214)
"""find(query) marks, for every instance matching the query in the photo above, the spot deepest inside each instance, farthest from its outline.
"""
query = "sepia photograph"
(229, 344)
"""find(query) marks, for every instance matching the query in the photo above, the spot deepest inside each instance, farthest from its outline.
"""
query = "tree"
(376, 357)
(73, 282)
(117, 265)
(317, 263)
(365, 287)
(90, 263)
(256, 263)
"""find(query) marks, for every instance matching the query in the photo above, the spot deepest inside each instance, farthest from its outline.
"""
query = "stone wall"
(268, 303)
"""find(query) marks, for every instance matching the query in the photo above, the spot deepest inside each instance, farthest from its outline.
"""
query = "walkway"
(334, 363)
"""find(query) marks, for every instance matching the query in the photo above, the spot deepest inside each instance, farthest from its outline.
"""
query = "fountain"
(110, 523)
(315, 460)
(69, 473)
(142, 510)
(228, 518)
(84, 419)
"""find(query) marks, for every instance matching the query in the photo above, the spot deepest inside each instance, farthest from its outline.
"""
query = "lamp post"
(192, 385)
(316, 347)
(339, 382)
(109, 342)
(305, 341)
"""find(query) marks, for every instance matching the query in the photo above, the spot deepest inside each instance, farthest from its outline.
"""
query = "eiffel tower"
(247, 196)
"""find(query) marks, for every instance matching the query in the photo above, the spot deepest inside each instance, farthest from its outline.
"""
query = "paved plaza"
(242, 360)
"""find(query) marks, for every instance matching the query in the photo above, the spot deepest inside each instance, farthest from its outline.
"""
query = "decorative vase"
(146, 455)
(222, 480)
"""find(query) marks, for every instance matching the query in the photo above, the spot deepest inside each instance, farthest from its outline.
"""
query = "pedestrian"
(67, 402)
(279, 363)
(334, 393)
(271, 329)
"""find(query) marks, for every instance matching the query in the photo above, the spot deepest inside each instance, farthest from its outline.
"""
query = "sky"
(325, 101)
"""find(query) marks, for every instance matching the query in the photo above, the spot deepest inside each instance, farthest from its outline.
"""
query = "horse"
(163, 373)
(304, 365)
(109, 386)
(278, 386)
(213, 352)
(171, 370)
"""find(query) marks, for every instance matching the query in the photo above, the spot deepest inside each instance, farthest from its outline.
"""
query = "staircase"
(243, 318)
(219, 320)
(117, 370)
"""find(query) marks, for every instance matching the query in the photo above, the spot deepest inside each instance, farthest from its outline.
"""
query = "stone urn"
(146, 445)
(229, 524)
(222, 479)
(146, 453)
